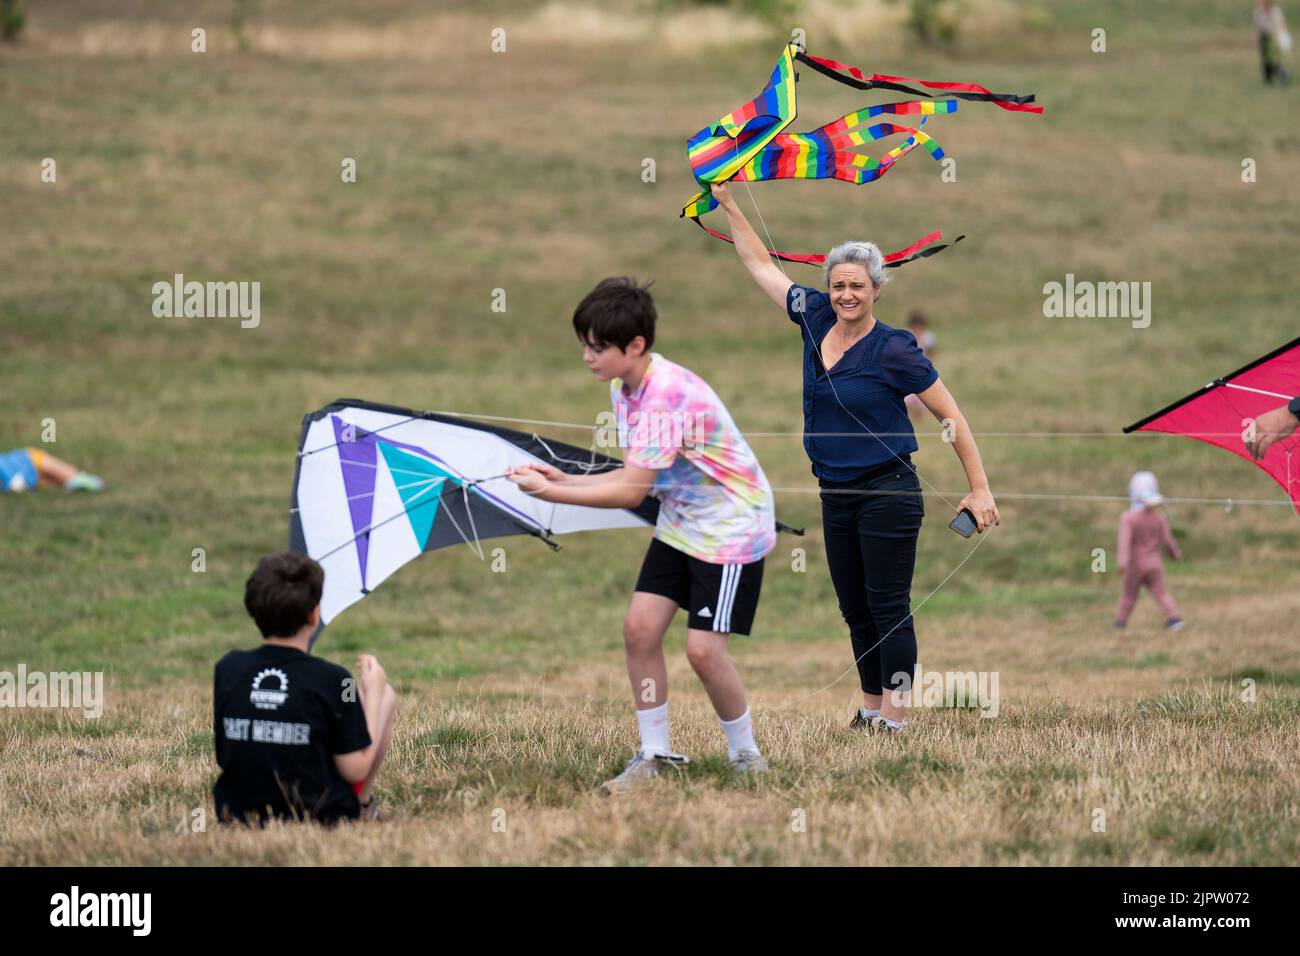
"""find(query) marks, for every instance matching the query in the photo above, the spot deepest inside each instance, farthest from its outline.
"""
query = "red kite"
(1223, 413)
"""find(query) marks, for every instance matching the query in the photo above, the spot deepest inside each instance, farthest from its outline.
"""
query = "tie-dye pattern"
(715, 503)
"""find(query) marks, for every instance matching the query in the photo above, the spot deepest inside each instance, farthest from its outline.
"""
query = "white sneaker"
(749, 762)
(640, 768)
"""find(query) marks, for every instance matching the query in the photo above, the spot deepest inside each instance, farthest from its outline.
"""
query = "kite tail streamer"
(921, 249)
(1023, 103)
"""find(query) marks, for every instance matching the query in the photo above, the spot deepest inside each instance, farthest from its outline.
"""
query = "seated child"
(25, 469)
(296, 737)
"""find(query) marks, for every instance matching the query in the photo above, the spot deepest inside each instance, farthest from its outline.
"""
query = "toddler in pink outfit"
(1143, 534)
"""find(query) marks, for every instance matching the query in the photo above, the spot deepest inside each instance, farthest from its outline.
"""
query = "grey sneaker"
(749, 762)
(859, 722)
(640, 768)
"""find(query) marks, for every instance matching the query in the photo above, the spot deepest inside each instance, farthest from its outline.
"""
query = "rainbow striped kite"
(750, 144)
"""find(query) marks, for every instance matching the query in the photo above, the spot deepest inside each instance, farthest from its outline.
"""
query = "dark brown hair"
(615, 312)
(282, 591)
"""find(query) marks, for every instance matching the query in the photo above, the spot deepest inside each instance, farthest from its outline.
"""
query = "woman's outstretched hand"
(983, 507)
(722, 193)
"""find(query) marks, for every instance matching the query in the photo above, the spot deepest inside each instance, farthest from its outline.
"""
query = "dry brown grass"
(1184, 771)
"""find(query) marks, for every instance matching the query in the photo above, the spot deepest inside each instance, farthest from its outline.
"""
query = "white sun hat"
(1143, 492)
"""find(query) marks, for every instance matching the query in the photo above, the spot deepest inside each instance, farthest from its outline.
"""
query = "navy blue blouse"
(869, 381)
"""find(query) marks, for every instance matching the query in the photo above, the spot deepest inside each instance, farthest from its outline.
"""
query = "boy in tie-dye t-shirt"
(716, 521)
(714, 501)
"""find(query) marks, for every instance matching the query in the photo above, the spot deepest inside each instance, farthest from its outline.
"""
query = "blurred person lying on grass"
(296, 737)
(26, 469)
(716, 523)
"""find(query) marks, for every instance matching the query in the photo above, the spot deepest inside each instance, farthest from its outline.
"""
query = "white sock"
(654, 730)
(867, 713)
(740, 734)
(895, 724)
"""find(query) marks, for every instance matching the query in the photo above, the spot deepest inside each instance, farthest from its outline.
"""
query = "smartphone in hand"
(964, 524)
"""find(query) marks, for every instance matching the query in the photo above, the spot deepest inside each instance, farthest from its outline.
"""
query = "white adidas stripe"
(727, 597)
(735, 586)
(721, 603)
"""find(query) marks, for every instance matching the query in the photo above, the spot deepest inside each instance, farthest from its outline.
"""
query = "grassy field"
(523, 171)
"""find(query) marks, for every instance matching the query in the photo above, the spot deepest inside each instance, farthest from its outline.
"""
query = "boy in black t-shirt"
(296, 736)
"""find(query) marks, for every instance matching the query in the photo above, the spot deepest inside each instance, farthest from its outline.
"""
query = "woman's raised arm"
(774, 283)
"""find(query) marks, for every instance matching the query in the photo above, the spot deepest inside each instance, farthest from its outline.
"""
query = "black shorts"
(718, 597)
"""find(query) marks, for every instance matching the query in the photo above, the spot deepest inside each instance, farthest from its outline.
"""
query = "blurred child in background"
(1143, 534)
(920, 329)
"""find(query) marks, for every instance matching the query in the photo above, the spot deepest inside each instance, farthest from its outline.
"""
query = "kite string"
(757, 434)
(476, 547)
(472, 526)
(1028, 496)
(1002, 495)
(373, 526)
(587, 467)
(417, 416)
(910, 614)
(364, 494)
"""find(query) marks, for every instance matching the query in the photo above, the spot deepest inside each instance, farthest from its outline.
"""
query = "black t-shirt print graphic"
(279, 717)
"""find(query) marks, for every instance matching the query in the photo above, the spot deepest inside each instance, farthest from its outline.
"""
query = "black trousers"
(871, 525)
(1271, 59)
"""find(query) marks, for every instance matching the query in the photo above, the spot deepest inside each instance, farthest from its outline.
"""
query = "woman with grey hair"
(856, 374)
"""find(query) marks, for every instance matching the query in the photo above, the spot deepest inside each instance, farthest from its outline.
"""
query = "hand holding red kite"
(1239, 413)
(1269, 428)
